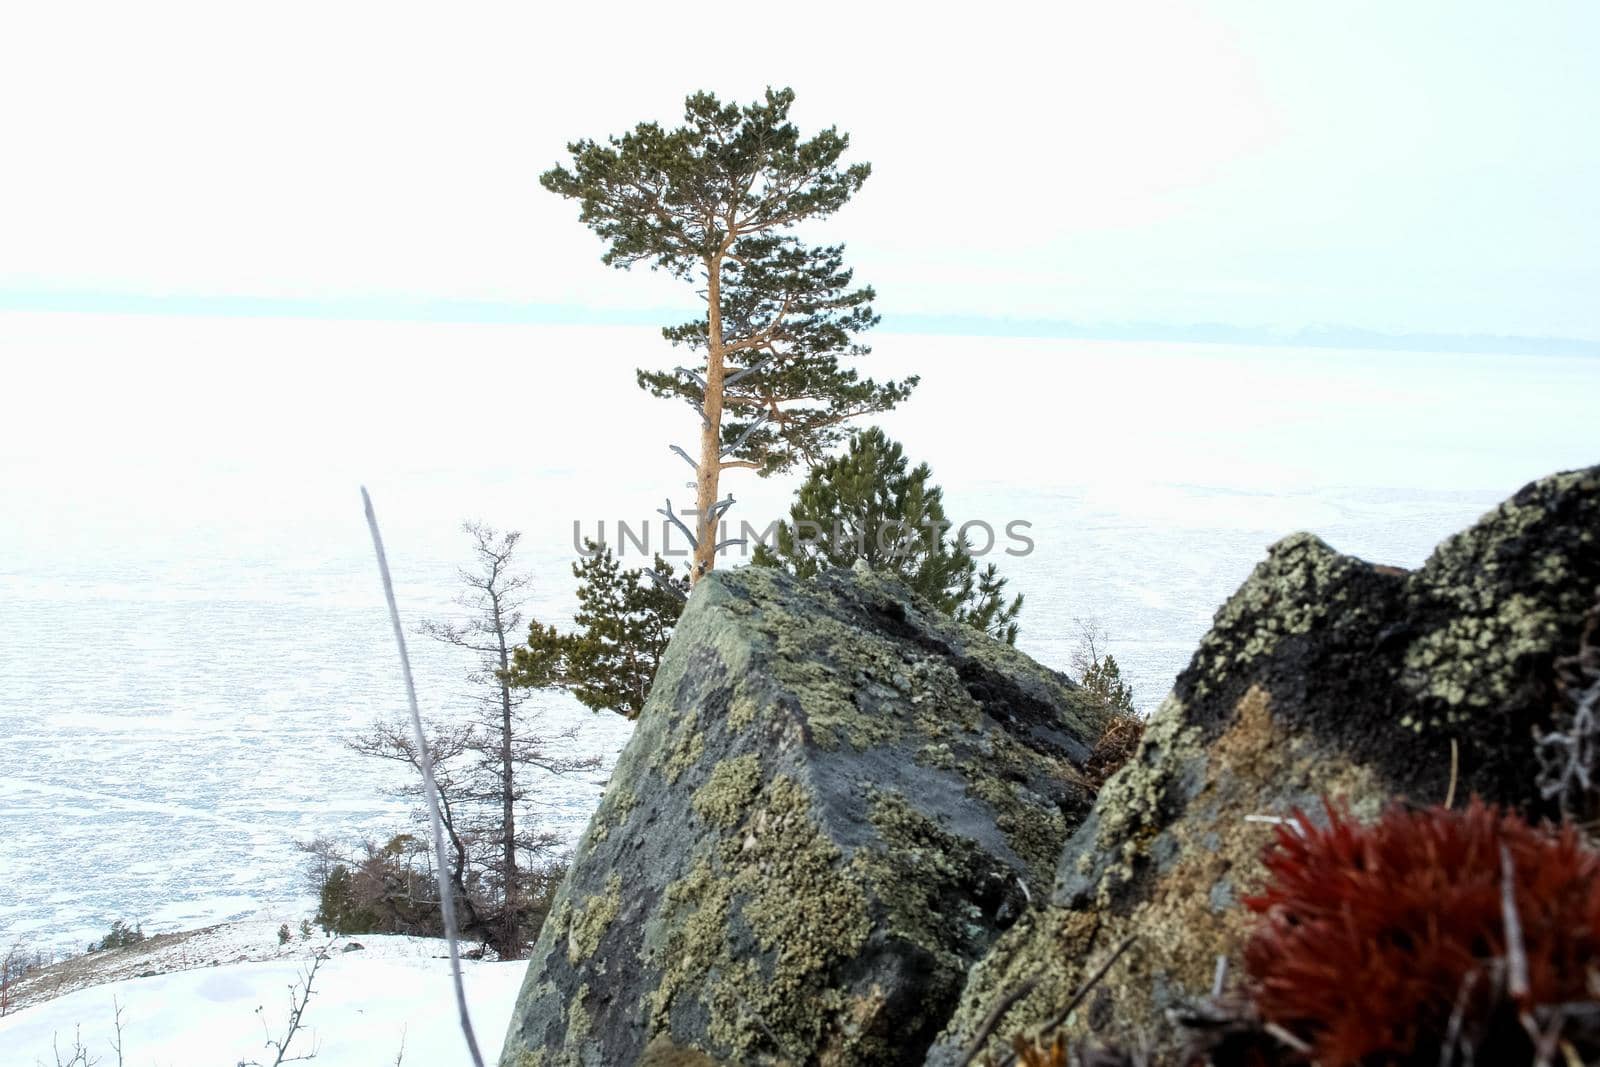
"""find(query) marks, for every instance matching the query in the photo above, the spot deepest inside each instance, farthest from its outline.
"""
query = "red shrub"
(1369, 934)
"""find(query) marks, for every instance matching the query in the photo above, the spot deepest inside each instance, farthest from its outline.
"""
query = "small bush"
(15, 965)
(121, 935)
(1116, 746)
(1390, 944)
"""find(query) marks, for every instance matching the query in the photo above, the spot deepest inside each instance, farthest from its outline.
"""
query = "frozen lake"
(190, 620)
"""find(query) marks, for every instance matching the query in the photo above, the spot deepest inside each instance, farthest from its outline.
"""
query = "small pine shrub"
(305, 929)
(1387, 944)
(341, 909)
(121, 935)
(283, 934)
(1103, 681)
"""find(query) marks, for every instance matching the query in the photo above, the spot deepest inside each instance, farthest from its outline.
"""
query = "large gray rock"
(835, 800)
(1323, 676)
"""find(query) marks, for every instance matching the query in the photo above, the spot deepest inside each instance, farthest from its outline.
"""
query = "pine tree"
(869, 505)
(1104, 682)
(713, 202)
(624, 621)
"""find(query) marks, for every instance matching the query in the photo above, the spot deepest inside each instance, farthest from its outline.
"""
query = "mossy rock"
(835, 800)
(1323, 676)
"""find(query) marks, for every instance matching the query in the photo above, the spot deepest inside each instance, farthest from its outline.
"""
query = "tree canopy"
(714, 203)
(623, 623)
(869, 504)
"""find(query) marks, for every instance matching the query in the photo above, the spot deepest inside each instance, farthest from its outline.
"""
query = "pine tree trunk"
(711, 430)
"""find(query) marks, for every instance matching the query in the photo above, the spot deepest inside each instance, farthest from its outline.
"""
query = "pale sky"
(1417, 166)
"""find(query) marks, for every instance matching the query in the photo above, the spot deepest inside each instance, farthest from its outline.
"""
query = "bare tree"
(1091, 645)
(324, 854)
(12, 968)
(481, 765)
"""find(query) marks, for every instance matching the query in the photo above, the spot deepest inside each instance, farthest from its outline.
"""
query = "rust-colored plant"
(1117, 745)
(1430, 937)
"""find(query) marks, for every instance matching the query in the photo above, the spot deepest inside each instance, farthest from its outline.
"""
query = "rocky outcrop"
(1323, 676)
(835, 801)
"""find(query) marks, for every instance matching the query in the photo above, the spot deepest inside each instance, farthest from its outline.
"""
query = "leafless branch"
(116, 1023)
(752, 428)
(686, 458)
(664, 582)
(745, 372)
(672, 517)
(299, 997)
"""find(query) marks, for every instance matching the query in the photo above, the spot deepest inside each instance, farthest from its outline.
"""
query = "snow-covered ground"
(228, 989)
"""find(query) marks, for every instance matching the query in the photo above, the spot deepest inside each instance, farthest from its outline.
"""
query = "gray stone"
(1323, 676)
(835, 800)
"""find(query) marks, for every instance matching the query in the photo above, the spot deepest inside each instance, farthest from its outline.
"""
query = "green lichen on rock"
(688, 746)
(590, 920)
(785, 883)
(1288, 593)
(1323, 676)
(1034, 826)
(1050, 948)
(831, 805)
(923, 878)
(579, 1024)
(1509, 589)
(725, 797)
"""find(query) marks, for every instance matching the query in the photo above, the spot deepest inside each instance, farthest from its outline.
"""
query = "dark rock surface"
(835, 801)
(1322, 676)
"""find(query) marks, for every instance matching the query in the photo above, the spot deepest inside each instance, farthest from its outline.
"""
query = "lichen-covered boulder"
(1323, 676)
(835, 800)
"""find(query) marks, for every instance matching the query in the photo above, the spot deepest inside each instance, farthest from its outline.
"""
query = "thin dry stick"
(992, 1020)
(1455, 773)
(1516, 950)
(1060, 1017)
(116, 1020)
(446, 897)
(1287, 1038)
(1458, 1016)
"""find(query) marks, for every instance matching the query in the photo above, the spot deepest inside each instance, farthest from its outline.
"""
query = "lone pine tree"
(713, 202)
(870, 505)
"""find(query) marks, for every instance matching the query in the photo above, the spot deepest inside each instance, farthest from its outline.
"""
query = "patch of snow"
(365, 1006)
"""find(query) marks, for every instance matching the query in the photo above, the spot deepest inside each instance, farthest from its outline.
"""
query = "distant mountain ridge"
(1315, 336)
(441, 309)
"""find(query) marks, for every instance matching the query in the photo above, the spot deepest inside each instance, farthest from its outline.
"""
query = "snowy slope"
(365, 1007)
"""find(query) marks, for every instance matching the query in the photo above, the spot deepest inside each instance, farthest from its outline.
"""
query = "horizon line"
(504, 312)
